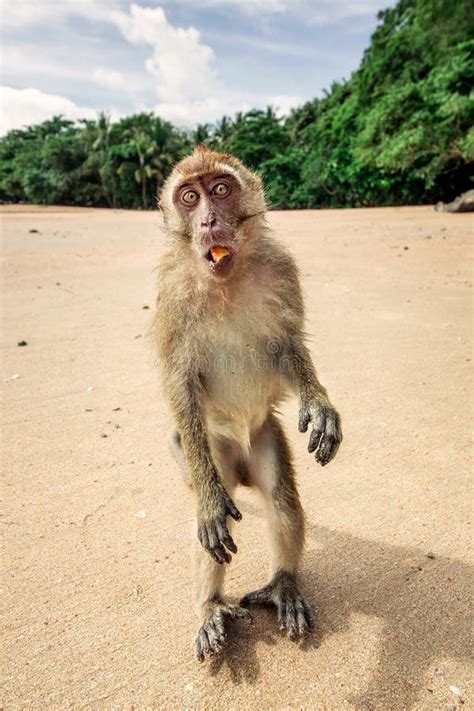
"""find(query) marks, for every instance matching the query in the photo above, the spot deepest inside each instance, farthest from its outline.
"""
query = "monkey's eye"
(190, 197)
(221, 190)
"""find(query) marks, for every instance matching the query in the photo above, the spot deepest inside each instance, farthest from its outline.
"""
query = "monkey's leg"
(178, 453)
(211, 608)
(272, 472)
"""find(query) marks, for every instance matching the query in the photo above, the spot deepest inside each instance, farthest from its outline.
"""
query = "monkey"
(228, 328)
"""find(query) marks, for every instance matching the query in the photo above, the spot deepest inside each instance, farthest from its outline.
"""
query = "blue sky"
(189, 61)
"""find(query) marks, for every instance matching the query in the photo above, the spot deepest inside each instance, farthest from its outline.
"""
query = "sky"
(189, 61)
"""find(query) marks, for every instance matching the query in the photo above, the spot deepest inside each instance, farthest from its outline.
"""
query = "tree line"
(399, 131)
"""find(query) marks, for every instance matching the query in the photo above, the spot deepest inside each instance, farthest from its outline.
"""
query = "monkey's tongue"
(218, 252)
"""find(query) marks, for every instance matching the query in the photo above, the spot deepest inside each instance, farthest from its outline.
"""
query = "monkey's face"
(210, 207)
(207, 203)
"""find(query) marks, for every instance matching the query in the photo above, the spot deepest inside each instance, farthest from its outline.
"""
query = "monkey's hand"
(326, 434)
(213, 533)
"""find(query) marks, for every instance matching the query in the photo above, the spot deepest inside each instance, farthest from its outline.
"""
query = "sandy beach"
(97, 579)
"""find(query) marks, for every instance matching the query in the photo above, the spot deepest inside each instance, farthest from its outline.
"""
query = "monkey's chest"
(243, 382)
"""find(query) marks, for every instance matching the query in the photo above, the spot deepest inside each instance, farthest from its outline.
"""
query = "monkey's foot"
(212, 634)
(294, 613)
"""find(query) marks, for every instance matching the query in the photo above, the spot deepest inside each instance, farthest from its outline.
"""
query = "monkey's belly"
(239, 403)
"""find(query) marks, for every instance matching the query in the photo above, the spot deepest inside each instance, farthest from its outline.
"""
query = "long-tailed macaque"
(229, 332)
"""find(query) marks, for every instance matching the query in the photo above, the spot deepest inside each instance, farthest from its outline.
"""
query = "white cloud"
(28, 59)
(189, 113)
(187, 85)
(179, 77)
(108, 78)
(283, 103)
(180, 62)
(23, 13)
(326, 12)
(314, 12)
(23, 107)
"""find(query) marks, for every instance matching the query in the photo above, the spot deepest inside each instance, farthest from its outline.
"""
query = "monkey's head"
(208, 202)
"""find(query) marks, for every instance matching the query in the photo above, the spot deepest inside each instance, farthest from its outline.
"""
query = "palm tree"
(222, 132)
(201, 133)
(101, 144)
(155, 147)
(144, 150)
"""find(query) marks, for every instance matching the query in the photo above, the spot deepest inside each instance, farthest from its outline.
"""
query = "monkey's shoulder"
(279, 265)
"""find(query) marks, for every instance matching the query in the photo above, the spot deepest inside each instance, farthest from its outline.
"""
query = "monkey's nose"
(208, 221)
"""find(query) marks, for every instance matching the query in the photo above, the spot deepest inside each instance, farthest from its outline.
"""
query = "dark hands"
(213, 533)
(326, 433)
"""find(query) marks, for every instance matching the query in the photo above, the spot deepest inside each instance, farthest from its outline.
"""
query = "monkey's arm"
(214, 503)
(315, 406)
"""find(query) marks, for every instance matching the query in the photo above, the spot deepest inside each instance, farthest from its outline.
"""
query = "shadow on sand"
(421, 600)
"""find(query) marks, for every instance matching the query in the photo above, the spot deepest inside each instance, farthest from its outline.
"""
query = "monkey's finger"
(331, 423)
(209, 542)
(334, 450)
(304, 419)
(329, 451)
(228, 541)
(314, 440)
(325, 449)
(216, 548)
(203, 538)
(225, 537)
(332, 453)
(220, 554)
(232, 510)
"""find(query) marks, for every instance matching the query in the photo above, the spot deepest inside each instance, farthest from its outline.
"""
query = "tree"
(398, 131)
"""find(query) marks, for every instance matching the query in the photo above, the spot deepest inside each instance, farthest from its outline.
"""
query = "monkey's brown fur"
(231, 346)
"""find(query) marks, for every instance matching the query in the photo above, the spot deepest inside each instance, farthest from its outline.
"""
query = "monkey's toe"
(211, 636)
(294, 613)
(263, 596)
(237, 612)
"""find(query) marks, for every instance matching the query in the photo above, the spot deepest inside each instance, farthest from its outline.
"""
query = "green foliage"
(256, 136)
(399, 131)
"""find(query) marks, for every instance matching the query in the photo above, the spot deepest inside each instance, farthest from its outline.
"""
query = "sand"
(97, 576)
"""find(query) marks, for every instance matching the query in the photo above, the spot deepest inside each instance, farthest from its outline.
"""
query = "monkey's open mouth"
(217, 253)
(220, 258)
